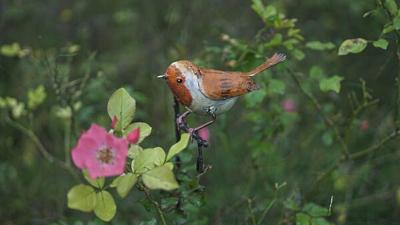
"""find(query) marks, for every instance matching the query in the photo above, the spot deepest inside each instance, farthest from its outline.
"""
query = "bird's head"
(177, 75)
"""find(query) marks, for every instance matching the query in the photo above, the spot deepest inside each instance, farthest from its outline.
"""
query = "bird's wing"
(219, 85)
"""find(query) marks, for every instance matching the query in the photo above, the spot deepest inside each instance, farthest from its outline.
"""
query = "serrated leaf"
(276, 87)
(124, 184)
(82, 197)
(160, 178)
(179, 146)
(356, 45)
(145, 130)
(98, 183)
(105, 206)
(122, 106)
(331, 84)
(315, 210)
(303, 219)
(381, 43)
(148, 159)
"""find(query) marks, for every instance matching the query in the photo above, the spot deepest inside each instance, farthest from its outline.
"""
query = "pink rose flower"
(100, 152)
(289, 105)
(133, 136)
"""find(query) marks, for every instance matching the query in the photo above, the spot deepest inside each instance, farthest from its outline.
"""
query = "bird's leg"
(194, 131)
(180, 121)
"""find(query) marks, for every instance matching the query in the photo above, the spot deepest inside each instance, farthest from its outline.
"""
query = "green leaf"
(145, 130)
(134, 150)
(331, 84)
(36, 97)
(298, 54)
(319, 46)
(253, 98)
(169, 165)
(124, 183)
(356, 45)
(396, 22)
(388, 28)
(179, 146)
(316, 73)
(10, 50)
(302, 219)
(82, 197)
(160, 178)
(381, 43)
(315, 210)
(319, 221)
(276, 87)
(148, 159)
(123, 106)
(105, 206)
(391, 5)
(98, 183)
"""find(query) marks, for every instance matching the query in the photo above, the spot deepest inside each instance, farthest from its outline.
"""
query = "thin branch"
(46, 154)
(155, 204)
(375, 147)
(318, 107)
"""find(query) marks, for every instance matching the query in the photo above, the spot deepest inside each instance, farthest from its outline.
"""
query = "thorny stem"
(155, 204)
(326, 119)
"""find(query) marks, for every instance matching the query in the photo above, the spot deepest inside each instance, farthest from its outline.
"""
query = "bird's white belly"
(201, 104)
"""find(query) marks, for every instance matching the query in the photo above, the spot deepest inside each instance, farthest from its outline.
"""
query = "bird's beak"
(162, 76)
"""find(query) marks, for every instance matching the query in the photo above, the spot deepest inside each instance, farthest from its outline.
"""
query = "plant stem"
(156, 205)
(318, 107)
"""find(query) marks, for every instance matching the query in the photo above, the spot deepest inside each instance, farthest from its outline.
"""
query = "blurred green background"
(61, 60)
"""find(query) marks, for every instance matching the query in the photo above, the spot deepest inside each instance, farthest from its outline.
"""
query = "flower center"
(105, 155)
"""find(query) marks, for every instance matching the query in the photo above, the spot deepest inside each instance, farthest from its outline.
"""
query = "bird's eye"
(179, 80)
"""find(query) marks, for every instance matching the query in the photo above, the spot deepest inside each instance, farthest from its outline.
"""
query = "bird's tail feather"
(275, 59)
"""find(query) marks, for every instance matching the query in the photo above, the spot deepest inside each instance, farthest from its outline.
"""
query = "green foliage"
(381, 43)
(122, 106)
(105, 206)
(352, 46)
(331, 84)
(160, 178)
(82, 197)
(179, 146)
(320, 46)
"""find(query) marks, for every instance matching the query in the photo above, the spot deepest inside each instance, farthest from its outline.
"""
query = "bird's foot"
(193, 132)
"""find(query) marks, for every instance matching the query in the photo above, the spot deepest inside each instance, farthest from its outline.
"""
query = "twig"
(46, 154)
(326, 119)
(155, 204)
(376, 146)
(250, 208)
(266, 210)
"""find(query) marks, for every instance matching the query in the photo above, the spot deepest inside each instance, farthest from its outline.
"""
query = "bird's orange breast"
(179, 90)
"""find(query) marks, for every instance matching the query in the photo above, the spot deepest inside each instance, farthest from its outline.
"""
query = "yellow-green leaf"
(160, 178)
(356, 45)
(134, 150)
(179, 146)
(122, 106)
(331, 84)
(105, 206)
(125, 183)
(99, 182)
(148, 159)
(82, 197)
